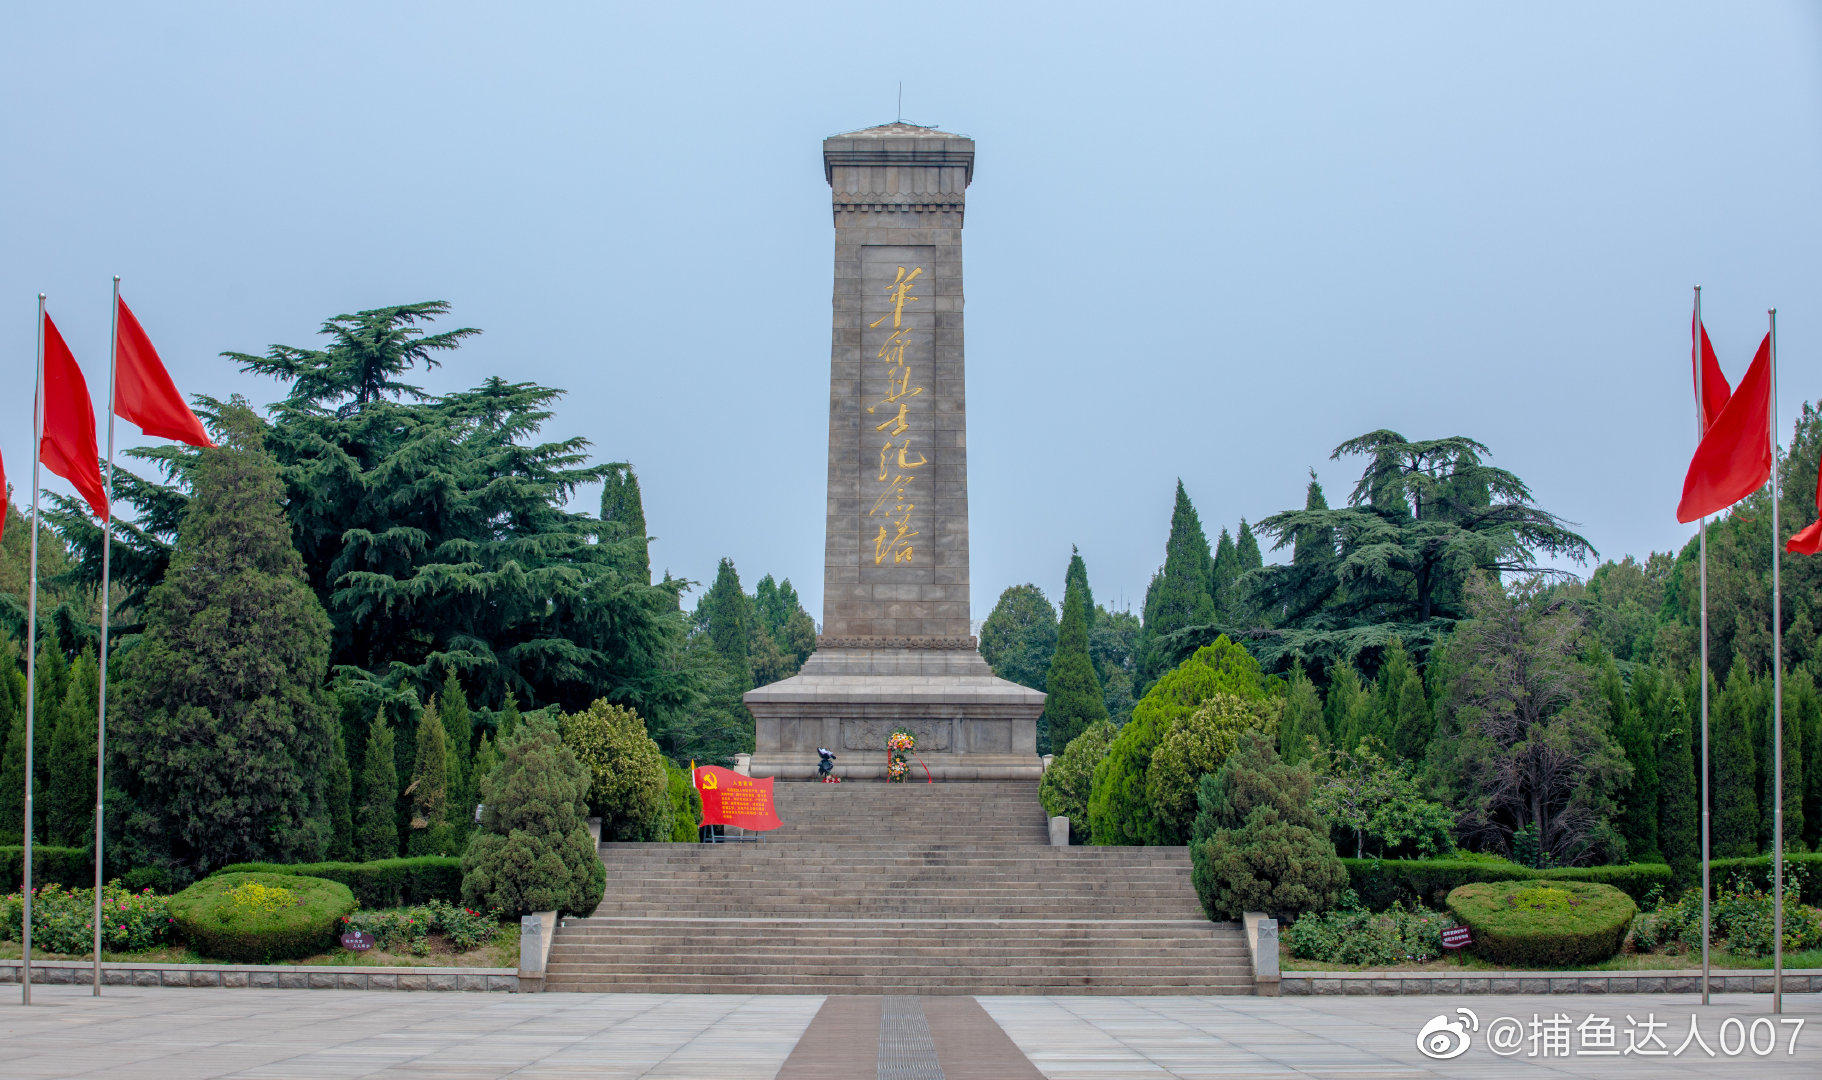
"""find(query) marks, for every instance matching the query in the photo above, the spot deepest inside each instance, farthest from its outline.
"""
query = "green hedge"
(1544, 923)
(383, 883)
(1382, 882)
(1806, 868)
(67, 866)
(216, 919)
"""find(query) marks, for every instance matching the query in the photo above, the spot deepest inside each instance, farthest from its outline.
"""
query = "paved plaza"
(168, 1034)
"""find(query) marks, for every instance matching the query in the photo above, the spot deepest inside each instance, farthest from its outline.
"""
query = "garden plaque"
(357, 940)
(1456, 937)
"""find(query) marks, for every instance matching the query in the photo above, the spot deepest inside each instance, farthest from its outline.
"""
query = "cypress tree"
(224, 721)
(1733, 765)
(1246, 546)
(340, 795)
(1638, 806)
(12, 704)
(1401, 709)
(1074, 700)
(1805, 709)
(623, 521)
(1302, 718)
(458, 733)
(509, 719)
(376, 826)
(430, 830)
(726, 614)
(1223, 572)
(69, 797)
(1179, 593)
(53, 684)
(1344, 708)
(12, 781)
(1679, 814)
(1077, 577)
(1796, 683)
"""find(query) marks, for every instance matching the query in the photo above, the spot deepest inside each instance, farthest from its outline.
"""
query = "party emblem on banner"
(729, 798)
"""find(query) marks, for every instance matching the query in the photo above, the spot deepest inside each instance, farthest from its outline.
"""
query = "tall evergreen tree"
(1222, 575)
(1679, 825)
(224, 720)
(53, 685)
(12, 775)
(623, 522)
(69, 797)
(1077, 576)
(1403, 705)
(1246, 548)
(1179, 595)
(340, 795)
(431, 833)
(1637, 736)
(376, 824)
(1074, 694)
(725, 613)
(1302, 721)
(1347, 708)
(1804, 709)
(458, 734)
(1734, 767)
(1793, 765)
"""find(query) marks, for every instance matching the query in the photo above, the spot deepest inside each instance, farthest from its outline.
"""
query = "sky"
(1206, 241)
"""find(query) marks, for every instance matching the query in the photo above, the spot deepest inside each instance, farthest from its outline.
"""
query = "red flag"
(1734, 457)
(68, 447)
(1809, 541)
(143, 391)
(1715, 391)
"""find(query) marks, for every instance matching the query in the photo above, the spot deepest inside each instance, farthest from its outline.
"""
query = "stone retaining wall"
(79, 972)
(1394, 983)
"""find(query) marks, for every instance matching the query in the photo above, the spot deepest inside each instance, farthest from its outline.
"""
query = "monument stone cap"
(898, 143)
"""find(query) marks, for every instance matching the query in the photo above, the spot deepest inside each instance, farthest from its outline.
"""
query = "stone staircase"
(873, 888)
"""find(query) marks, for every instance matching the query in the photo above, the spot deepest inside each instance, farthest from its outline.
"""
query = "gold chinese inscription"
(894, 424)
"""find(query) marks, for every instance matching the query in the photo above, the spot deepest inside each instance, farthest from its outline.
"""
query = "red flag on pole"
(1733, 459)
(1714, 390)
(143, 391)
(1809, 541)
(68, 446)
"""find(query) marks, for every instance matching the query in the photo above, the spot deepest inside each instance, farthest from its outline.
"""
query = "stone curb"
(1397, 983)
(260, 976)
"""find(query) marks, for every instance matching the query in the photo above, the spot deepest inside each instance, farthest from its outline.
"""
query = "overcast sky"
(1207, 241)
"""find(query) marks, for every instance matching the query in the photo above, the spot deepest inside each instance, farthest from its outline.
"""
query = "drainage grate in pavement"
(906, 1050)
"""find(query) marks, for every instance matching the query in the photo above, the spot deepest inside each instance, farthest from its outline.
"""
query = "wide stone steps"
(875, 888)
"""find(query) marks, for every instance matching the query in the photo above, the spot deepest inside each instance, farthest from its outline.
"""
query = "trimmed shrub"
(1119, 809)
(1197, 745)
(1804, 869)
(382, 883)
(534, 852)
(50, 866)
(1381, 883)
(259, 918)
(1064, 789)
(1544, 924)
(629, 790)
(1256, 844)
(686, 805)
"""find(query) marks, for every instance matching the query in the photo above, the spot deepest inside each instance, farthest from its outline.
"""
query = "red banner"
(729, 798)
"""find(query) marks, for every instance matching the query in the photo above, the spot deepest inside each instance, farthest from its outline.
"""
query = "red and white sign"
(729, 798)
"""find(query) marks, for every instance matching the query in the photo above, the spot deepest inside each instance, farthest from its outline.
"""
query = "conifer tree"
(1077, 576)
(53, 684)
(1679, 824)
(623, 521)
(726, 615)
(1223, 572)
(1734, 769)
(12, 780)
(1352, 710)
(1637, 737)
(509, 720)
(1804, 708)
(340, 795)
(458, 734)
(1074, 694)
(376, 825)
(69, 797)
(224, 721)
(1793, 762)
(1246, 548)
(1019, 636)
(12, 704)
(1302, 721)
(1180, 592)
(1403, 711)
(431, 833)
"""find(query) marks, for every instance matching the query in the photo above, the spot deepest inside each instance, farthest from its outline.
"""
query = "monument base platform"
(969, 724)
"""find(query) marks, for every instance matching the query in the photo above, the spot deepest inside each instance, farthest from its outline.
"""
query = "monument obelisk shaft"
(895, 649)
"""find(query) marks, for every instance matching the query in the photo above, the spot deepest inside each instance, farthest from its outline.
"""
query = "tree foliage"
(629, 789)
(1180, 594)
(1019, 636)
(1256, 844)
(1066, 784)
(533, 852)
(1073, 698)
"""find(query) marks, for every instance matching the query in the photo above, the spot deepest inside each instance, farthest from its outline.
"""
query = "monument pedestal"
(969, 724)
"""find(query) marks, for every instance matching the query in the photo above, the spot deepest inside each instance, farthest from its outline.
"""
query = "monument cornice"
(964, 643)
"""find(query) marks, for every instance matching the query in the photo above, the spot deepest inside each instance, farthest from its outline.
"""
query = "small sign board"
(1456, 937)
(357, 940)
(729, 798)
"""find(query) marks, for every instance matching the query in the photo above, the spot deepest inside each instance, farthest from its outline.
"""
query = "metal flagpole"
(1777, 704)
(31, 668)
(107, 549)
(1701, 429)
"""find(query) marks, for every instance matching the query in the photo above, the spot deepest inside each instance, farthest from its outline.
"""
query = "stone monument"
(895, 649)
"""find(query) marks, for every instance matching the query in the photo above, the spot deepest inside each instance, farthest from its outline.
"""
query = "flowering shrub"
(63, 920)
(409, 929)
(1741, 918)
(258, 898)
(1353, 936)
